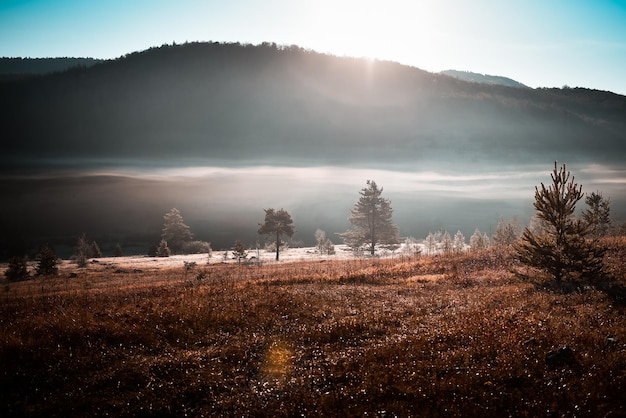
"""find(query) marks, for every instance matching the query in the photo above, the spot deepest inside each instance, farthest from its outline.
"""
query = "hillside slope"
(239, 104)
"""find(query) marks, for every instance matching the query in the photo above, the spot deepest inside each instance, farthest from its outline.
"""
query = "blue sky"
(537, 42)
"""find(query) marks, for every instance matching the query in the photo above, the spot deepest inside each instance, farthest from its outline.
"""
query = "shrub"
(163, 250)
(196, 247)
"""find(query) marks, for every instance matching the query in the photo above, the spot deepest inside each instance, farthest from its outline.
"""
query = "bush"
(196, 247)
(163, 250)
(17, 270)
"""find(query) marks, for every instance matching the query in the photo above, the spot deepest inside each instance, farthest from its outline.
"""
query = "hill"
(17, 68)
(221, 131)
(483, 78)
(239, 104)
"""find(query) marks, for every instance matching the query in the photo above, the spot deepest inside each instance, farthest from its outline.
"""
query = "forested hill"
(16, 68)
(483, 78)
(239, 104)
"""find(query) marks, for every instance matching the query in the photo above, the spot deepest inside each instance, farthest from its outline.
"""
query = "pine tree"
(175, 231)
(371, 221)
(17, 269)
(561, 247)
(117, 251)
(478, 240)
(506, 233)
(279, 223)
(163, 250)
(239, 252)
(47, 262)
(598, 214)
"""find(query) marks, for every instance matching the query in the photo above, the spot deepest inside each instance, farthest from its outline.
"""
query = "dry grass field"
(431, 336)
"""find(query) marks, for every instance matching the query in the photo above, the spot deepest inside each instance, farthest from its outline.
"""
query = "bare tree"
(431, 243)
(324, 245)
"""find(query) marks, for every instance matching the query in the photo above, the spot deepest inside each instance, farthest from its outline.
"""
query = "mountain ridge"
(233, 102)
(484, 78)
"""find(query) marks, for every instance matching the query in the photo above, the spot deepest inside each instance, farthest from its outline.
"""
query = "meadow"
(427, 336)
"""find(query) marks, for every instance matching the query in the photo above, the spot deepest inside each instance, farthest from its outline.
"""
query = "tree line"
(556, 243)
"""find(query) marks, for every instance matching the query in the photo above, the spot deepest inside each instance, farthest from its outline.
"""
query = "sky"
(540, 43)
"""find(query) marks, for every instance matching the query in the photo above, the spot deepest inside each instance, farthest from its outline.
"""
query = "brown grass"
(436, 336)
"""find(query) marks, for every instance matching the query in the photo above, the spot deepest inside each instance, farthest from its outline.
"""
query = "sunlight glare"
(374, 29)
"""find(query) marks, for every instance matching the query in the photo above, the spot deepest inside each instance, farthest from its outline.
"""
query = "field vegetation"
(444, 335)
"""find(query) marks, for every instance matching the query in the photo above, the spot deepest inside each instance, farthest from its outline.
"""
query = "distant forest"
(18, 68)
(270, 104)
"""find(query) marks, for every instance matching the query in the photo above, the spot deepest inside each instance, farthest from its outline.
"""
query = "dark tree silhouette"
(47, 262)
(17, 269)
(561, 247)
(371, 220)
(279, 223)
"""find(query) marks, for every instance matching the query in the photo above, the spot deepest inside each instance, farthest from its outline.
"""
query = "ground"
(438, 335)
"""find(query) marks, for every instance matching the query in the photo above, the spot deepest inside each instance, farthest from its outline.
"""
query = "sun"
(371, 29)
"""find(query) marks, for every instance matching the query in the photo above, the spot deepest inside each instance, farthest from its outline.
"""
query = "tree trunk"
(277, 244)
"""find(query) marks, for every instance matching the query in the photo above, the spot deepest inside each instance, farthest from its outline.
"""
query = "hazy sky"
(541, 43)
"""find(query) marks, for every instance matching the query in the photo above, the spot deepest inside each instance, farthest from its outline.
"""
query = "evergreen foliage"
(175, 231)
(163, 250)
(17, 270)
(239, 252)
(95, 250)
(507, 232)
(117, 251)
(279, 223)
(479, 240)
(371, 221)
(598, 214)
(47, 262)
(562, 249)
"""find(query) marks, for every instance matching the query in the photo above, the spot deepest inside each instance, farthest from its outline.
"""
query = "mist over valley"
(222, 131)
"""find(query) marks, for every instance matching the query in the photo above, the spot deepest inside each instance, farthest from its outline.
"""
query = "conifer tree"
(598, 214)
(371, 221)
(506, 233)
(279, 223)
(459, 242)
(175, 231)
(561, 248)
(47, 262)
(17, 269)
